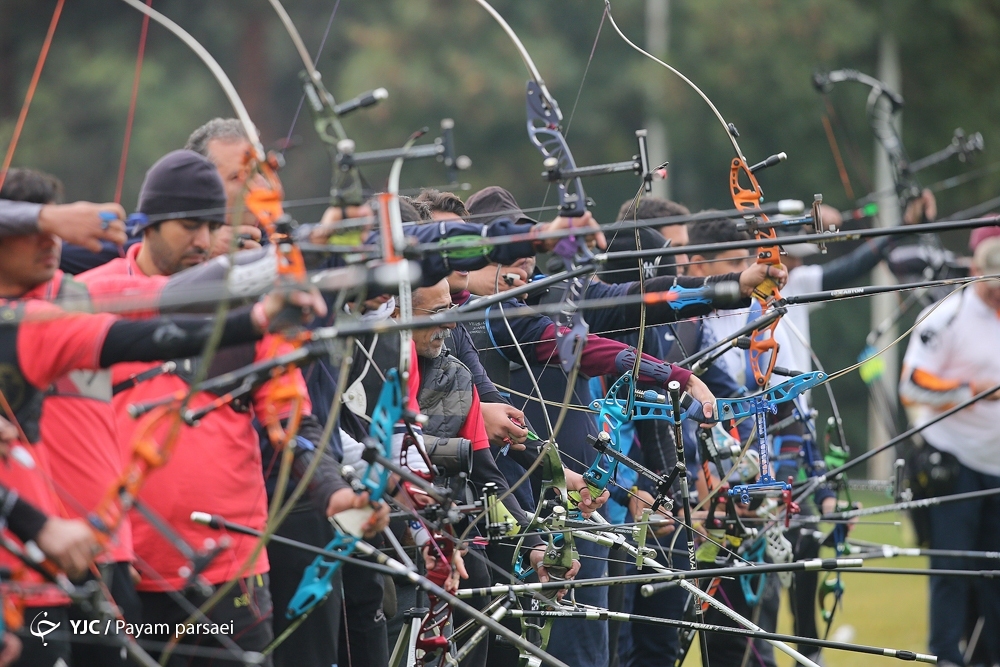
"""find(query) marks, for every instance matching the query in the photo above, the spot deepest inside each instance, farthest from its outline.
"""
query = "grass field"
(884, 610)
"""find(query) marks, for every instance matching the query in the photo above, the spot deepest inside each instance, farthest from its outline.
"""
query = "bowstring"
(830, 377)
(133, 102)
(923, 316)
(579, 92)
(30, 94)
(583, 79)
(572, 375)
(302, 99)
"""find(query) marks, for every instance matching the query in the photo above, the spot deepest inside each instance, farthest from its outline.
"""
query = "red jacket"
(47, 345)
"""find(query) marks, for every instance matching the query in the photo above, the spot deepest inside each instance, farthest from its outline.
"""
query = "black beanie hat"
(182, 185)
(498, 202)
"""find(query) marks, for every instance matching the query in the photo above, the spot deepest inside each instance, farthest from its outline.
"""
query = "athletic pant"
(316, 639)
(247, 606)
(118, 579)
(363, 642)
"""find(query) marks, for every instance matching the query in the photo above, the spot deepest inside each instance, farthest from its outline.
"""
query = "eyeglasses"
(438, 311)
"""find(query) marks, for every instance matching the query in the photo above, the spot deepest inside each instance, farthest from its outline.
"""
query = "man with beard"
(231, 483)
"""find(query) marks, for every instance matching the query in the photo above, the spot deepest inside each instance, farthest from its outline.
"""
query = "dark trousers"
(363, 639)
(48, 650)
(315, 641)
(118, 579)
(968, 525)
(247, 607)
(731, 649)
(405, 594)
(479, 577)
(501, 653)
(650, 645)
(579, 642)
(802, 594)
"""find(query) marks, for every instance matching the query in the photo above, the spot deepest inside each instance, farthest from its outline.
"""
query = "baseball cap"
(980, 234)
(626, 269)
(494, 202)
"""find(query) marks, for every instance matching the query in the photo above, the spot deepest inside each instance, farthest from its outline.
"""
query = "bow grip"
(317, 578)
(570, 342)
(652, 405)
(598, 475)
(442, 562)
(829, 586)
(767, 288)
(559, 559)
(316, 585)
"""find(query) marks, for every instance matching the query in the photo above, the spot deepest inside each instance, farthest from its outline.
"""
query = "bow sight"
(346, 188)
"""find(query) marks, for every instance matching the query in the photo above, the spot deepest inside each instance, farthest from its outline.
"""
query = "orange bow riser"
(156, 436)
(285, 397)
(762, 342)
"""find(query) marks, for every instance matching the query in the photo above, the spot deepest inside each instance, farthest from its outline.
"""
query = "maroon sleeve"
(600, 358)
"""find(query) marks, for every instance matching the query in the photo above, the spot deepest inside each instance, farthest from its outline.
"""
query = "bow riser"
(317, 580)
(757, 407)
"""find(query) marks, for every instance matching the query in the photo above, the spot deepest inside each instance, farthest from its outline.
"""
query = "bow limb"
(525, 56)
(262, 203)
(148, 452)
(393, 244)
(543, 120)
(220, 75)
(882, 106)
(265, 203)
(543, 123)
(345, 180)
(729, 128)
(747, 199)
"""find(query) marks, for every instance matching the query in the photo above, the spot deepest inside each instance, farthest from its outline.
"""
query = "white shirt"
(795, 352)
(722, 324)
(959, 340)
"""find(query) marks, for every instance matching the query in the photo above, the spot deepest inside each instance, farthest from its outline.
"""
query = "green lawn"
(888, 611)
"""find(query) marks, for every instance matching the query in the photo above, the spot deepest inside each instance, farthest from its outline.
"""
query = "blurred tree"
(448, 58)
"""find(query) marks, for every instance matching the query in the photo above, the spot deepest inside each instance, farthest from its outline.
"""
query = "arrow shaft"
(815, 482)
(678, 575)
(910, 504)
(826, 237)
(603, 615)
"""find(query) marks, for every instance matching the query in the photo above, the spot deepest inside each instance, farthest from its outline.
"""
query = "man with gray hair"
(224, 142)
(947, 362)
